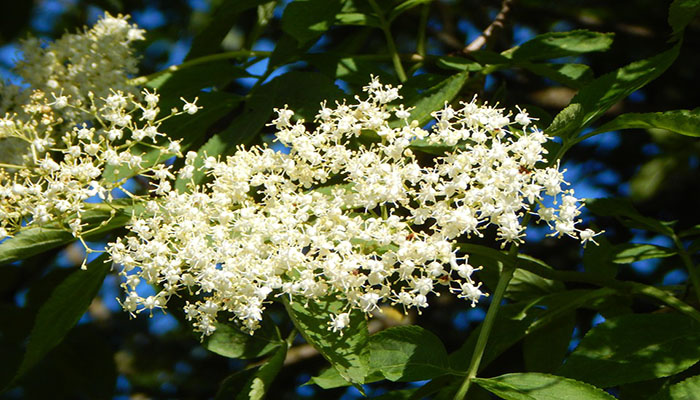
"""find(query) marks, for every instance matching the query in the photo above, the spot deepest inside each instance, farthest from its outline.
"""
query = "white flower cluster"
(77, 118)
(365, 222)
(77, 67)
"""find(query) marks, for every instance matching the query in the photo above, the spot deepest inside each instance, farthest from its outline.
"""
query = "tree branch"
(488, 33)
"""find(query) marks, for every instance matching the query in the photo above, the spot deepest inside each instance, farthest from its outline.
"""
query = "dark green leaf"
(568, 121)
(628, 215)
(597, 260)
(306, 20)
(405, 6)
(654, 345)
(408, 353)
(684, 122)
(685, 390)
(252, 384)
(434, 98)
(458, 63)
(681, 13)
(348, 353)
(628, 253)
(229, 341)
(560, 44)
(536, 386)
(209, 39)
(187, 81)
(67, 303)
(545, 350)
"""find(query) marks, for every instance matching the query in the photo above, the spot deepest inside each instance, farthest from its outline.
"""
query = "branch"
(488, 33)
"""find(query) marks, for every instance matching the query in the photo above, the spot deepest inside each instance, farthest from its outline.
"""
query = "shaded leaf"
(654, 345)
(67, 303)
(187, 81)
(347, 353)
(433, 98)
(627, 214)
(685, 390)
(627, 253)
(560, 44)
(229, 341)
(684, 122)
(253, 383)
(306, 20)
(536, 386)
(545, 350)
(572, 75)
(681, 13)
(597, 260)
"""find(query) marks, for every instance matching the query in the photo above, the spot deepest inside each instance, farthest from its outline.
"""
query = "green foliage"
(533, 386)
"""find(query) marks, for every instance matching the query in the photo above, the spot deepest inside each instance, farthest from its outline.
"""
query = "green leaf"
(208, 41)
(654, 346)
(684, 122)
(545, 350)
(597, 260)
(408, 353)
(458, 63)
(405, 6)
(681, 13)
(67, 303)
(560, 44)
(572, 75)
(356, 18)
(515, 321)
(685, 390)
(536, 386)
(433, 98)
(349, 353)
(628, 253)
(306, 20)
(229, 341)
(187, 81)
(253, 383)
(36, 240)
(602, 93)
(627, 214)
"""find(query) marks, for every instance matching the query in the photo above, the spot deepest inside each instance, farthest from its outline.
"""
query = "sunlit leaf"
(536, 386)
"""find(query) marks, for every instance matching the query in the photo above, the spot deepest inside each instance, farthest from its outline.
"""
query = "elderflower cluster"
(76, 67)
(65, 137)
(364, 221)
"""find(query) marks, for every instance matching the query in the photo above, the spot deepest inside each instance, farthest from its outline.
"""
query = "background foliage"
(607, 78)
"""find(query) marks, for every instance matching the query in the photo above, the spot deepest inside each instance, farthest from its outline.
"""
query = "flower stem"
(503, 281)
(389, 41)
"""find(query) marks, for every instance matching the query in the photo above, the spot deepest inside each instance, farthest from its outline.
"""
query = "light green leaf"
(356, 18)
(67, 303)
(229, 341)
(685, 390)
(572, 75)
(253, 383)
(348, 353)
(536, 386)
(681, 13)
(306, 20)
(628, 253)
(560, 44)
(684, 122)
(654, 346)
(568, 121)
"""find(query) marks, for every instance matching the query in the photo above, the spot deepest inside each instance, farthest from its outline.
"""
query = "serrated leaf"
(560, 44)
(684, 122)
(599, 95)
(306, 20)
(253, 383)
(67, 303)
(627, 214)
(408, 353)
(536, 386)
(685, 390)
(349, 353)
(654, 346)
(628, 253)
(229, 341)
(681, 13)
